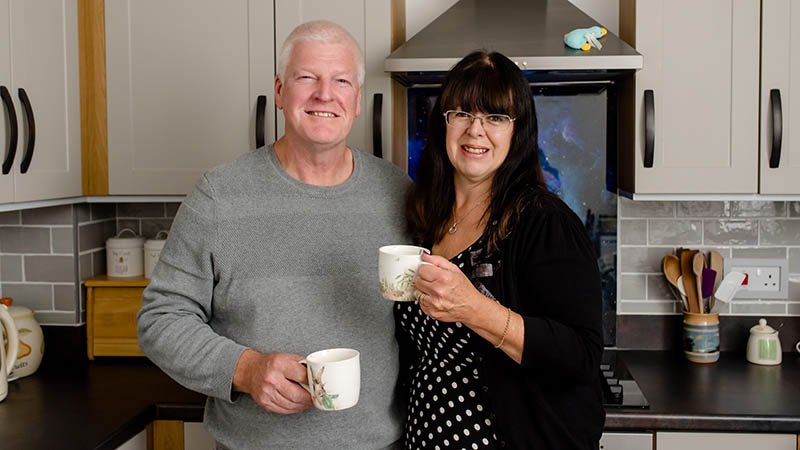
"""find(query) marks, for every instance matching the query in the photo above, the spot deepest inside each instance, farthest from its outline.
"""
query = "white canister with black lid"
(152, 250)
(124, 255)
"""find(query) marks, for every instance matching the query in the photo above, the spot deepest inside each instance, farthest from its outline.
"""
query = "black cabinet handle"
(777, 128)
(261, 109)
(12, 131)
(649, 127)
(26, 105)
(377, 132)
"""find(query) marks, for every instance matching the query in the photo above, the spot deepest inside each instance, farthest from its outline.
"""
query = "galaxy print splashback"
(577, 128)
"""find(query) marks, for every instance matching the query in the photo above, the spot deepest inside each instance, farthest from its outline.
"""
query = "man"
(274, 256)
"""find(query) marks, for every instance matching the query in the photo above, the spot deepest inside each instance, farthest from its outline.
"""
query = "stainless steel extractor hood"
(529, 32)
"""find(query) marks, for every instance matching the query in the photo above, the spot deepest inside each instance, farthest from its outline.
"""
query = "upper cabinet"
(183, 82)
(780, 95)
(695, 105)
(369, 22)
(39, 84)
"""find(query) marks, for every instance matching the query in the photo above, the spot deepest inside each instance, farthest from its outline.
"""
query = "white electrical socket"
(766, 278)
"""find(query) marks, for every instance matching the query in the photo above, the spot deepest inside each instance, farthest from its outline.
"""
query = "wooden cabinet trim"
(399, 141)
(92, 68)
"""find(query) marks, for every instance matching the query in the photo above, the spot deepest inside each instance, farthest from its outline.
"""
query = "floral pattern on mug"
(402, 287)
(321, 397)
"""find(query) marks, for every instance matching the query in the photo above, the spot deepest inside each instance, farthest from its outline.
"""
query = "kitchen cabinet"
(626, 441)
(111, 308)
(369, 23)
(39, 84)
(780, 96)
(183, 82)
(725, 441)
(695, 102)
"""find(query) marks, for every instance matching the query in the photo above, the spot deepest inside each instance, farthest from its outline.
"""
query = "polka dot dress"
(446, 410)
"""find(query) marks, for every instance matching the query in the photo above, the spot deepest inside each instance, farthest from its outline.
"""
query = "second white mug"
(397, 268)
(334, 378)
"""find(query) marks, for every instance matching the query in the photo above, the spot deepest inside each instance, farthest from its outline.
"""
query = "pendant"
(453, 229)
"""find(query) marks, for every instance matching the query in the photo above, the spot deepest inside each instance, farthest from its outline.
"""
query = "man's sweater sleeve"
(177, 305)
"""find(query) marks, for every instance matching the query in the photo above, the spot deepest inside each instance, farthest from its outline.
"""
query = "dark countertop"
(93, 405)
(101, 404)
(729, 395)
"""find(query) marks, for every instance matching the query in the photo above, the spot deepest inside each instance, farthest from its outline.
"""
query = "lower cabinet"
(626, 441)
(161, 435)
(111, 308)
(725, 441)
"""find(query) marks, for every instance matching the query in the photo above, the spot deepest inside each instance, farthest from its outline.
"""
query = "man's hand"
(272, 380)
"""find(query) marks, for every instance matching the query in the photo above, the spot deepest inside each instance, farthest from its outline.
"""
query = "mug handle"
(305, 386)
(13, 339)
(797, 346)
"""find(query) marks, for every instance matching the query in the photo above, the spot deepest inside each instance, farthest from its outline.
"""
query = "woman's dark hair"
(490, 83)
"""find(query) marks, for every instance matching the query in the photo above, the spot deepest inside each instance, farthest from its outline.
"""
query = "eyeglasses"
(462, 120)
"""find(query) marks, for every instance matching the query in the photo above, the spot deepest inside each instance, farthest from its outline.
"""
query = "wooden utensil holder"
(701, 337)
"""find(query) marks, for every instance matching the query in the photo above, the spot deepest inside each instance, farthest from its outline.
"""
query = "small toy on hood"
(585, 38)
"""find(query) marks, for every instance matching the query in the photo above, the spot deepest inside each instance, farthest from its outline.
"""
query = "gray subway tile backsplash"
(19, 239)
(735, 229)
(64, 297)
(38, 296)
(56, 317)
(10, 218)
(675, 232)
(730, 232)
(141, 210)
(780, 232)
(11, 267)
(100, 211)
(50, 268)
(53, 215)
(63, 240)
(94, 235)
(703, 209)
(758, 209)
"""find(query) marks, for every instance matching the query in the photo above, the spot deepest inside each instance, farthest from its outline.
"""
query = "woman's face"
(475, 152)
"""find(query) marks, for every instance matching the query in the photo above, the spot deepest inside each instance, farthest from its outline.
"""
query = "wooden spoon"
(716, 263)
(671, 266)
(698, 263)
(689, 280)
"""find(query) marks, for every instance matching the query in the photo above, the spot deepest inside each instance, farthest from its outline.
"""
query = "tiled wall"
(39, 249)
(650, 229)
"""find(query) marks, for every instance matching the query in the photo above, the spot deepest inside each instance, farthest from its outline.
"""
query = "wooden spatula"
(698, 264)
(689, 279)
(716, 263)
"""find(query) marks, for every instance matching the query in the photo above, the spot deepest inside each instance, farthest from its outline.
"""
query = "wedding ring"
(420, 296)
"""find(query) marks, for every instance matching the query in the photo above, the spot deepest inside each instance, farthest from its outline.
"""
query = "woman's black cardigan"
(549, 275)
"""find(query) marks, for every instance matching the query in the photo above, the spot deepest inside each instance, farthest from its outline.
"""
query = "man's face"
(320, 96)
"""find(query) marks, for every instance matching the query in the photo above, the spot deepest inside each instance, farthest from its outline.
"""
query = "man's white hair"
(320, 31)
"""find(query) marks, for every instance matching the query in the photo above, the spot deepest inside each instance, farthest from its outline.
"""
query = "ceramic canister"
(31, 340)
(701, 337)
(152, 250)
(124, 255)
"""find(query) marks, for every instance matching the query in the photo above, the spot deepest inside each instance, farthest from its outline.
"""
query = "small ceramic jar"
(124, 255)
(31, 340)
(152, 250)
(763, 346)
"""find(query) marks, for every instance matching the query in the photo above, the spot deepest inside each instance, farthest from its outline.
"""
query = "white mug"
(797, 346)
(334, 378)
(397, 268)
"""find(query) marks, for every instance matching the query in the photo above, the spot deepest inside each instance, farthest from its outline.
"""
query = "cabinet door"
(6, 180)
(701, 65)
(725, 441)
(780, 96)
(626, 441)
(369, 21)
(44, 57)
(183, 79)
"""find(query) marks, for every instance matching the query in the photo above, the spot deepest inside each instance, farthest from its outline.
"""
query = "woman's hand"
(444, 292)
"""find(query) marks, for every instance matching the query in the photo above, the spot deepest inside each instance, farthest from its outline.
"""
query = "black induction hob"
(619, 388)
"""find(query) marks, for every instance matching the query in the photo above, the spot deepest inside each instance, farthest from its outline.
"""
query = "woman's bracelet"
(505, 330)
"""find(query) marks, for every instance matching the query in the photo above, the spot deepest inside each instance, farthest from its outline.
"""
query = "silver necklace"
(454, 228)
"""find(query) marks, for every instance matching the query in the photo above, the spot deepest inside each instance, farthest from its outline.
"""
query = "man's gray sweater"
(257, 259)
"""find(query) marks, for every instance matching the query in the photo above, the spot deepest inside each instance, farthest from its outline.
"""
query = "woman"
(503, 346)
